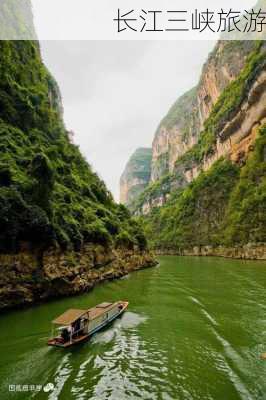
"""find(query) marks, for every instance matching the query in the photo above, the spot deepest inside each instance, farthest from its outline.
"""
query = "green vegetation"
(48, 192)
(155, 189)
(193, 216)
(226, 205)
(167, 184)
(246, 214)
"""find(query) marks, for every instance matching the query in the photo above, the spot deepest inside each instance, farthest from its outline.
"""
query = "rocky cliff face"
(207, 189)
(181, 127)
(180, 130)
(221, 212)
(136, 175)
(30, 276)
(216, 119)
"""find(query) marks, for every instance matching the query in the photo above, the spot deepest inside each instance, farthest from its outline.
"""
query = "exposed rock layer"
(255, 251)
(30, 277)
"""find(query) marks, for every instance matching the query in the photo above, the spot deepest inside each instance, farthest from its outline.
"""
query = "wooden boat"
(77, 325)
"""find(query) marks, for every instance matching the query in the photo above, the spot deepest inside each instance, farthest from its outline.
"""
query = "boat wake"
(126, 321)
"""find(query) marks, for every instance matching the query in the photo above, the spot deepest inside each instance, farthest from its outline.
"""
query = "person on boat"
(65, 335)
(77, 327)
(74, 328)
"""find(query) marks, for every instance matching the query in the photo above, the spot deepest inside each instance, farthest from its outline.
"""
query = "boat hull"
(82, 338)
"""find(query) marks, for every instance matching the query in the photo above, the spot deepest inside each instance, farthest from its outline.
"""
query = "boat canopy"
(104, 305)
(69, 316)
(100, 309)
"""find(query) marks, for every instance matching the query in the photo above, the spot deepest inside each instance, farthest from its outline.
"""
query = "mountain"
(204, 150)
(180, 129)
(61, 231)
(136, 175)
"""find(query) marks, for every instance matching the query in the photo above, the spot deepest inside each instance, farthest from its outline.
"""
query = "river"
(195, 329)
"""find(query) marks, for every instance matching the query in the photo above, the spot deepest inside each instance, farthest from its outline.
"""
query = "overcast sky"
(115, 93)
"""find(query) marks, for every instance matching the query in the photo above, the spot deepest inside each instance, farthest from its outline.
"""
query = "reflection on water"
(195, 330)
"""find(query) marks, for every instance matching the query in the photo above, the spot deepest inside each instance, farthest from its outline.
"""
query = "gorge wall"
(216, 130)
(60, 229)
(180, 129)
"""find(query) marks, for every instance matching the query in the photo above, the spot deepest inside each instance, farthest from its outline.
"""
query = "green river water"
(195, 329)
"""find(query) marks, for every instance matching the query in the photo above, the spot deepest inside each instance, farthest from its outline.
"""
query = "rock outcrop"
(29, 277)
(256, 251)
(136, 175)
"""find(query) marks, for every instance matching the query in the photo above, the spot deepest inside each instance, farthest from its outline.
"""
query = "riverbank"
(245, 252)
(30, 277)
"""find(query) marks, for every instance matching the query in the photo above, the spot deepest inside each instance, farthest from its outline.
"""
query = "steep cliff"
(221, 126)
(222, 212)
(60, 230)
(209, 190)
(136, 175)
(180, 129)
